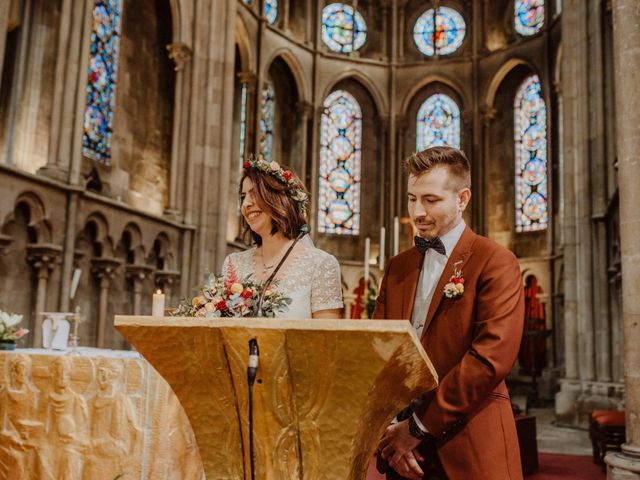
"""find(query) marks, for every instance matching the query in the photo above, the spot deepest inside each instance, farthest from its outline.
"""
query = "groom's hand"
(397, 447)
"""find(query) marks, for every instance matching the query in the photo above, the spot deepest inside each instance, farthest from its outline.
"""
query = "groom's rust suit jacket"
(472, 342)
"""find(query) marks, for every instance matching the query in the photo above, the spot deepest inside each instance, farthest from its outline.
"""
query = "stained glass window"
(267, 120)
(529, 16)
(341, 31)
(101, 85)
(530, 127)
(438, 123)
(340, 157)
(443, 39)
(271, 10)
(243, 123)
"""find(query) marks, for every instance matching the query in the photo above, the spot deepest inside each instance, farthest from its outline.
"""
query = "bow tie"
(422, 244)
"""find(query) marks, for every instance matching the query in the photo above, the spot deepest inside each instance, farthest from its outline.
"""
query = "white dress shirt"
(432, 269)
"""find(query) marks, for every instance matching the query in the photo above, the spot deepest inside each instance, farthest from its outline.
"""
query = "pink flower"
(20, 333)
(231, 276)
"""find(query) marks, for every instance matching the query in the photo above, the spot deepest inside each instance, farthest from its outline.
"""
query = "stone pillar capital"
(166, 278)
(137, 274)
(180, 53)
(105, 269)
(246, 77)
(5, 243)
(44, 257)
(304, 109)
(488, 115)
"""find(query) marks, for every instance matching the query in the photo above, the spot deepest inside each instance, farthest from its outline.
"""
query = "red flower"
(247, 294)
(287, 175)
(457, 280)
(221, 305)
(246, 165)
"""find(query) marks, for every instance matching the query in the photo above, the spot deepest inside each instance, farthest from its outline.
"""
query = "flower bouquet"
(9, 331)
(229, 296)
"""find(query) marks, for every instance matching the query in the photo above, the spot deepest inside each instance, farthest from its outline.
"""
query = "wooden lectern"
(326, 389)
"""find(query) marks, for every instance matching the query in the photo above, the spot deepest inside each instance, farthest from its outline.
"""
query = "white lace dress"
(310, 277)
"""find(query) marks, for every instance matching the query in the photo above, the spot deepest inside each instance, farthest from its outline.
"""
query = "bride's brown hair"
(275, 199)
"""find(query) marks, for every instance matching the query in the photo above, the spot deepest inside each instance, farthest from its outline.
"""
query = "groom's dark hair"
(454, 160)
(275, 199)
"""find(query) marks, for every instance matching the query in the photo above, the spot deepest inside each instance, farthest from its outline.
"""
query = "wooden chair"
(606, 432)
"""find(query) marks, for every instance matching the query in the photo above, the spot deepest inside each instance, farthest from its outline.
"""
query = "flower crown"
(285, 177)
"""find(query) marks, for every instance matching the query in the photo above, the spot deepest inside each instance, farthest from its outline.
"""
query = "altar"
(97, 415)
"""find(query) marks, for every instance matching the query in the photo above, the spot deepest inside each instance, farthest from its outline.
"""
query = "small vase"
(4, 345)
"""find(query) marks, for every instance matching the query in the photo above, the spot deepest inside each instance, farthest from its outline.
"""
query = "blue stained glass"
(443, 39)
(340, 31)
(340, 164)
(530, 127)
(267, 120)
(102, 79)
(271, 11)
(243, 124)
(438, 123)
(529, 16)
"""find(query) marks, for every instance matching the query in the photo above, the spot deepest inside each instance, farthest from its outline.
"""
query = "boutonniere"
(455, 287)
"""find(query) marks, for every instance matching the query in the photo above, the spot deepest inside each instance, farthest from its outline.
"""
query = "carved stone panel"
(78, 417)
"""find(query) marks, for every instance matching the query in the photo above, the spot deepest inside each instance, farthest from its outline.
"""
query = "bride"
(274, 209)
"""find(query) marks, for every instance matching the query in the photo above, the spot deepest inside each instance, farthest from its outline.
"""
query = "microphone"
(304, 230)
(254, 359)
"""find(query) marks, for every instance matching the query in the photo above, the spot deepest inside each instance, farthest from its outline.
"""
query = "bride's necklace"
(266, 268)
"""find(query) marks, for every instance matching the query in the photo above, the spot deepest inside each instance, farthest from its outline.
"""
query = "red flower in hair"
(246, 165)
(287, 175)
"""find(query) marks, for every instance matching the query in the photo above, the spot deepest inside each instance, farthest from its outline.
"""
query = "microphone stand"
(254, 352)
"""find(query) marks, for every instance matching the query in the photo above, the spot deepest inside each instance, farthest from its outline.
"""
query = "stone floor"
(552, 439)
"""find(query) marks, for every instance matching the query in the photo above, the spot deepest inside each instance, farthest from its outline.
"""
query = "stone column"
(137, 274)
(104, 269)
(67, 115)
(488, 116)
(180, 54)
(44, 258)
(303, 111)
(626, 35)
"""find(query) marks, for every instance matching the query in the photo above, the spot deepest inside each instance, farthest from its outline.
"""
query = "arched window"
(101, 86)
(443, 39)
(341, 32)
(529, 16)
(271, 11)
(267, 120)
(530, 127)
(438, 123)
(340, 157)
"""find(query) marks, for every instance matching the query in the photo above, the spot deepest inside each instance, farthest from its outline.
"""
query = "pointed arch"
(409, 98)
(500, 75)
(295, 69)
(379, 100)
(38, 222)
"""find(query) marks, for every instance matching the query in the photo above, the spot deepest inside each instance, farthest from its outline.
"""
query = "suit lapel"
(410, 282)
(460, 255)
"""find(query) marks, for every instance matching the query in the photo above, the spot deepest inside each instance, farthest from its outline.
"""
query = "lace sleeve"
(326, 290)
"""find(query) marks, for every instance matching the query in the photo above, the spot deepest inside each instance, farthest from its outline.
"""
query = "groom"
(463, 294)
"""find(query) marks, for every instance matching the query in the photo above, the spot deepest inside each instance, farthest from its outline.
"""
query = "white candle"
(381, 257)
(367, 248)
(396, 235)
(157, 309)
